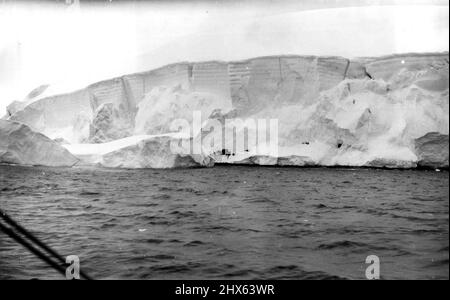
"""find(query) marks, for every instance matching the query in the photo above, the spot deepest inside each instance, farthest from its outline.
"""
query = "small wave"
(341, 244)
(90, 193)
(321, 276)
(175, 268)
(238, 273)
(219, 228)
(278, 269)
(162, 197)
(218, 192)
(444, 249)
(183, 214)
(264, 200)
(294, 272)
(439, 263)
(320, 205)
(107, 225)
(162, 257)
(164, 223)
(194, 243)
(175, 241)
(150, 218)
(154, 241)
(411, 218)
(165, 189)
(9, 189)
(425, 231)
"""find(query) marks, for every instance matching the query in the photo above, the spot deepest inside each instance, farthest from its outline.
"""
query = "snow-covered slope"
(141, 151)
(330, 110)
(23, 146)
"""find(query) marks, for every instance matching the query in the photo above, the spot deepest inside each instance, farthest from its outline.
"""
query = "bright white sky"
(71, 47)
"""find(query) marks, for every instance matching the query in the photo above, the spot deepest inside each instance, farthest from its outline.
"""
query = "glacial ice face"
(163, 105)
(109, 124)
(64, 116)
(363, 120)
(432, 150)
(23, 146)
(357, 123)
(16, 106)
(331, 110)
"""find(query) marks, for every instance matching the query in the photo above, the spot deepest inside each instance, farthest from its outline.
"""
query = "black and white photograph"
(222, 148)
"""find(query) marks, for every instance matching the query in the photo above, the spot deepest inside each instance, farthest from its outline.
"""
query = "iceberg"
(22, 146)
(389, 112)
(432, 150)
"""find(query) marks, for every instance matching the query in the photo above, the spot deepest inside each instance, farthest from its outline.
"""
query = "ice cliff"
(22, 146)
(390, 111)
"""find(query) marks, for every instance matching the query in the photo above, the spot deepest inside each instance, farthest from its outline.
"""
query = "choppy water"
(230, 222)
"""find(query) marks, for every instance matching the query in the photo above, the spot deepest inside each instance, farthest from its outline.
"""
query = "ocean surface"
(232, 222)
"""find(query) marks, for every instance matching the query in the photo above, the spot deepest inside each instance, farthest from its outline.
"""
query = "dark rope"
(35, 251)
(31, 237)
(10, 232)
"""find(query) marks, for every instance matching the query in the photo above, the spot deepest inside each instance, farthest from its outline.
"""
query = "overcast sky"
(71, 46)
